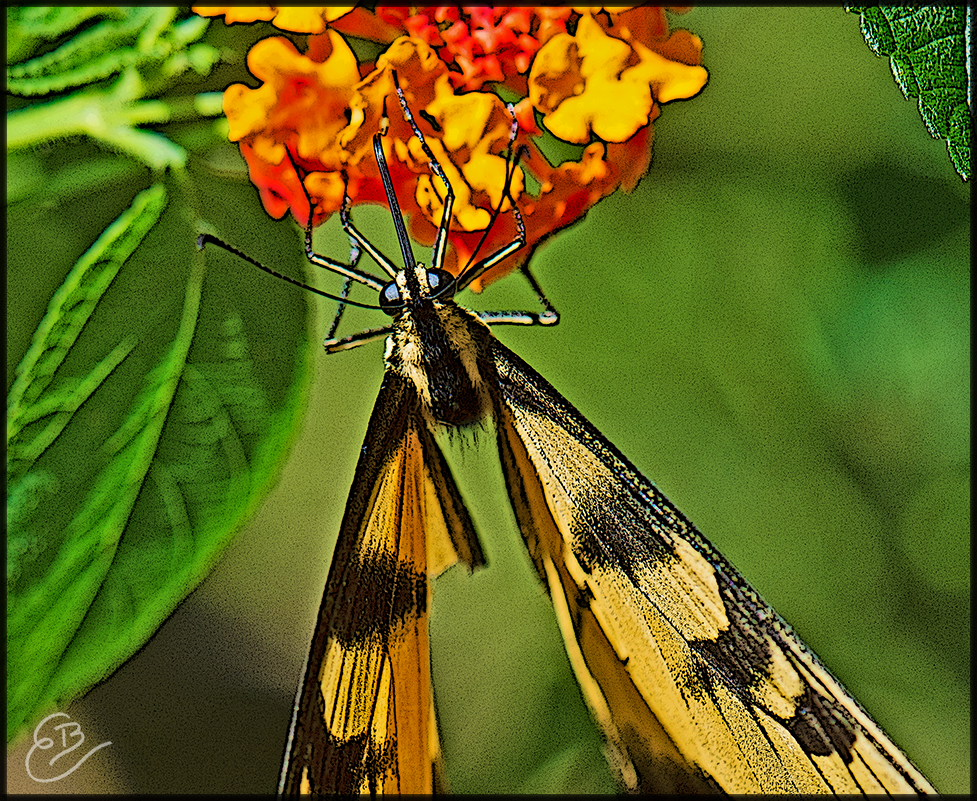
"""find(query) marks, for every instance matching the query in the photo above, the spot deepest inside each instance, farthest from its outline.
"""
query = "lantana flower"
(594, 77)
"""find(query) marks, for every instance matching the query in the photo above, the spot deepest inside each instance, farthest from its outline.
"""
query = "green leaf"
(36, 417)
(28, 180)
(108, 532)
(141, 51)
(93, 54)
(30, 27)
(68, 313)
(139, 38)
(929, 48)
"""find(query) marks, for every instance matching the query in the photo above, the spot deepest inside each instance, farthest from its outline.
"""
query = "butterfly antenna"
(205, 239)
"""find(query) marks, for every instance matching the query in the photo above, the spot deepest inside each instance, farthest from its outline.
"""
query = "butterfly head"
(416, 286)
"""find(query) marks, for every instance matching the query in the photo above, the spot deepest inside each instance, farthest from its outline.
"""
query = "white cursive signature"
(45, 743)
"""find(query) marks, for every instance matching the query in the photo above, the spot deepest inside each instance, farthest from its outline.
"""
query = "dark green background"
(774, 327)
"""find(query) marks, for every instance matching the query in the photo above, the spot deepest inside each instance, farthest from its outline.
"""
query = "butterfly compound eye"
(441, 284)
(390, 301)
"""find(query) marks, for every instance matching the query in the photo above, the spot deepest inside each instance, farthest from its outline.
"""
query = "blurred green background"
(774, 327)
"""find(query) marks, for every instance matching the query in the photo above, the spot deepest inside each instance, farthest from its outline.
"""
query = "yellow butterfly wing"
(698, 684)
(364, 719)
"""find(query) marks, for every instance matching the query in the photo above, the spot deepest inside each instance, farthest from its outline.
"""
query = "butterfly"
(697, 684)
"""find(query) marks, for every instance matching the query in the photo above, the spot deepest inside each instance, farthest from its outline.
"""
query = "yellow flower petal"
(595, 82)
(298, 19)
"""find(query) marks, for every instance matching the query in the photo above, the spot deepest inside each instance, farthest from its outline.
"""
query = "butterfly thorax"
(442, 350)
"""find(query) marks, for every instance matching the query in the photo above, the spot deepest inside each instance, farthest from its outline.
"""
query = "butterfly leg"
(549, 315)
(441, 241)
(333, 345)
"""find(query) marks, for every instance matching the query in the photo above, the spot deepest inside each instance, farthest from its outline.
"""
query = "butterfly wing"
(696, 681)
(364, 718)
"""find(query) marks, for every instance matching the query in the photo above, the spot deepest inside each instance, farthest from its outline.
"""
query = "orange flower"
(595, 77)
(301, 104)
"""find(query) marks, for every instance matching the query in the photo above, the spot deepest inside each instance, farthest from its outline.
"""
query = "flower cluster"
(589, 76)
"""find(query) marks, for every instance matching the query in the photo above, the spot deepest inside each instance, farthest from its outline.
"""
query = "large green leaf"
(151, 405)
(141, 50)
(137, 444)
(930, 51)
